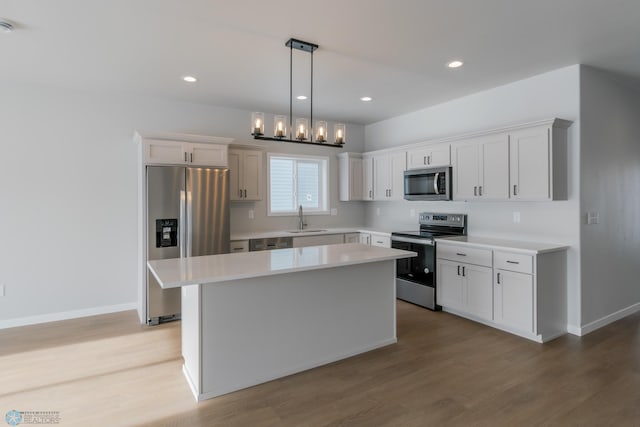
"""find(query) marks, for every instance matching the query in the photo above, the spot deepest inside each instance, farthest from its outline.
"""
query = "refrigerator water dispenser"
(166, 233)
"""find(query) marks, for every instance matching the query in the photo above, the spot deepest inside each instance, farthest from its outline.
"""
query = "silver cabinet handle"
(458, 270)
(435, 183)
(498, 278)
(459, 254)
(185, 156)
(240, 191)
(515, 190)
(237, 249)
(424, 160)
(428, 160)
(371, 194)
(245, 193)
(475, 190)
(191, 157)
(480, 191)
(513, 262)
(463, 267)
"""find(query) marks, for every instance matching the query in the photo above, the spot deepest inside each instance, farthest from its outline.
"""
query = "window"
(297, 181)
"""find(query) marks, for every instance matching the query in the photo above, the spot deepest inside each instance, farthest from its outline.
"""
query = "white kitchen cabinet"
(380, 240)
(239, 246)
(365, 238)
(463, 286)
(367, 177)
(352, 238)
(429, 156)
(325, 239)
(350, 176)
(245, 175)
(538, 160)
(481, 168)
(388, 175)
(161, 151)
(519, 292)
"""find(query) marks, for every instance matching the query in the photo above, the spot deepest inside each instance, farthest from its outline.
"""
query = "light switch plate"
(251, 214)
(516, 217)
(593, 217)
(378, 211)
(334, 211)
(412, 213)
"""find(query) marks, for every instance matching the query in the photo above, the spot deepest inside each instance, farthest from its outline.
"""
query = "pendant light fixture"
(303, 131)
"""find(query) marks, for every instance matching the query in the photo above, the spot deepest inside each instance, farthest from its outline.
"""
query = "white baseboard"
(610, 318)
(574, 330)
(65, 315)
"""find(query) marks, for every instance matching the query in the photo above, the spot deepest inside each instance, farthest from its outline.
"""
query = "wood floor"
(110, 371)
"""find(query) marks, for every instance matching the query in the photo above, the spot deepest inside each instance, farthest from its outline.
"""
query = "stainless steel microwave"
(428, 184)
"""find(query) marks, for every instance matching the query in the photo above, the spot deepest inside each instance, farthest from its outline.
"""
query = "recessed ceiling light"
(366, 98)
(301, 97)
(189, 79)
(6, 27)
(455, 64)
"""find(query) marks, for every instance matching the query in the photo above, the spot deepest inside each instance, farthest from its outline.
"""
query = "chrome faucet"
(301, 223)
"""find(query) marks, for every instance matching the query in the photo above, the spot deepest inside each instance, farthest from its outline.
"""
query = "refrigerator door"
(165, 218)
(207, 211)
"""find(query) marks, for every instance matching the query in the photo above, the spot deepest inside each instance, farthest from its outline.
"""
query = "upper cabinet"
(245, 174)
(351, 176)
(367, 177)
(538, 160)
(388, 175)
(481, 168)
(178, 149)
(434, 155)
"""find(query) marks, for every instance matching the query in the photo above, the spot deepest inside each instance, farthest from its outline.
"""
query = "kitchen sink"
(305, 231)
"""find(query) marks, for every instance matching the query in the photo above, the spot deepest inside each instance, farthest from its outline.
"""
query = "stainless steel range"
(416, 277)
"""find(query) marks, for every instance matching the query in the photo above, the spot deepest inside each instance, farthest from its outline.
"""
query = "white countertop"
(288, 233)
(173, 273)
(510, 245)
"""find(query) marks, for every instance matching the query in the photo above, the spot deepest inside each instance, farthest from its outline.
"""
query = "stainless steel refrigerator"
(187, 215)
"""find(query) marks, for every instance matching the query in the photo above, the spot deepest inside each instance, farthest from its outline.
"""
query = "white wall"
(610, 186)
(68, 189)
(553, 94)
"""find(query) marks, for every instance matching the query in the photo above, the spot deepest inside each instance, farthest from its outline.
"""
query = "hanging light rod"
(304, 131)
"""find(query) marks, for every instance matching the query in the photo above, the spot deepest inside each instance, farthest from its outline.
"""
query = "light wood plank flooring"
(108, 370)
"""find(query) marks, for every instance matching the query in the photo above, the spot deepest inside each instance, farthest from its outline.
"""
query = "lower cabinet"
(522, 293)
(325, 239)
(465, 287)
(352, 238)
(239, 246)
(375, 239)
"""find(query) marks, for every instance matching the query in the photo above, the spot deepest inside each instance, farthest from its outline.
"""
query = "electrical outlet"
(251, 214)
(412, 213)
(593, 218)
(334, 211)
(377, 211)
(516, 217)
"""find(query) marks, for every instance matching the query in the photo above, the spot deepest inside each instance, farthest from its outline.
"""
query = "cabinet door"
(494, 168)
(352, 238)
(417, 158)
(440, 155)
(367, 178)
(513, 300)
(355, 179)
(207, 154)
(449, 285)
(479, 290)
(381, 178)
(397, 166)
(164, 152)
(465, 170)
(530, 164)
(365, 238)
(235, 189)
(252, 175)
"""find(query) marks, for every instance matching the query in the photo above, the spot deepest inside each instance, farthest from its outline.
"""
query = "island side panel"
(256, 330)
(191, 335)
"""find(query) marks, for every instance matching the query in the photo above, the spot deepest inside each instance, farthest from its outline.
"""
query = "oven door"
(415, 277)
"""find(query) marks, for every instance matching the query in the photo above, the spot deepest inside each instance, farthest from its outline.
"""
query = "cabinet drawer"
(378, 240)
(465, 254)
(239, 246)
(514, 262)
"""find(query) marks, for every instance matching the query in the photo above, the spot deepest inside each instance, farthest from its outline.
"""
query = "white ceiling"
(394, 51)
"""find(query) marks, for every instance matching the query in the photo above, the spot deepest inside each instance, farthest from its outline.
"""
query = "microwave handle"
(435, 183)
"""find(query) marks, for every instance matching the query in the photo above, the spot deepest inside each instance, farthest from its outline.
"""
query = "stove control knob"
(426, 270)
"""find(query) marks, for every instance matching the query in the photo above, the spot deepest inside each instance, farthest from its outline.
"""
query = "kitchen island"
(248, 318)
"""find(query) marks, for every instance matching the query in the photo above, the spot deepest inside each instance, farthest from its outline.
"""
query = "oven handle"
(409, 240)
